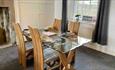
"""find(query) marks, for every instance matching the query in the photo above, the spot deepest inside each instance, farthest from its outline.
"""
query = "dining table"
(60, 41)
(64, 45)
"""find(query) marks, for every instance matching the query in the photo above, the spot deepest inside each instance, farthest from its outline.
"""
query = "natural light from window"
(87, 8)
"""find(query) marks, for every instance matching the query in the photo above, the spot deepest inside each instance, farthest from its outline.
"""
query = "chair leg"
(69, 67)
(60, 68)
(48, 68)
(24, 66)
(24, 62)
(20, 62)
(20, 58)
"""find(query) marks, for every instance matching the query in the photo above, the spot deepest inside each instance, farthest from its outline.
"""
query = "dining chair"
(56, 26)
(41, 56)
(73, 27)
(26, 34)
(66, 60)
(24, 48)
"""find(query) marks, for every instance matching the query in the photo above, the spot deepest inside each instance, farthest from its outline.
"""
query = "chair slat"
(21, 45)
(57, 24)
(73, 27)
(38, 51)
(41, 57)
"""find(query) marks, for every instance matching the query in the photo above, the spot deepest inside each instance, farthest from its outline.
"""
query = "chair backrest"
(57, 24)
(21, 44)
(73, 27)
(19, 35)
(38, 51)
(26, 35)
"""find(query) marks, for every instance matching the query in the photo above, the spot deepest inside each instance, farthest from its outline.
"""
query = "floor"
(86, 59)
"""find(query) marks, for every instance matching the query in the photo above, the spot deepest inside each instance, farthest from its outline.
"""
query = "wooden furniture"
(38, 51)
(56, 27)
(66, 61)
(26, 36)
(64, 45)
(73, 27)
(24, 49)
(41, 56)
(67, 45)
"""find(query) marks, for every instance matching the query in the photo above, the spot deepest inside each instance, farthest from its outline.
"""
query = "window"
(87, 8)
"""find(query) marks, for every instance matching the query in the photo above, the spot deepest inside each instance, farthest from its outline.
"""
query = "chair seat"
(50, 54)
(28, 46)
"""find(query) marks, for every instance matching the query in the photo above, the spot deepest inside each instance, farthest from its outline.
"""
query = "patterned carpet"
(86, 59)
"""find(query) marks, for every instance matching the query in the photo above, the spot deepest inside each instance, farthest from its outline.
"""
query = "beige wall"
(38, 13)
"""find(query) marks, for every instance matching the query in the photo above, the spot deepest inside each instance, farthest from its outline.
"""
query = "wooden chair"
(24, 49)
(73, 27)
(56, 27)
(41, 56)
(26, 34)
(66, 61)
(57, 24)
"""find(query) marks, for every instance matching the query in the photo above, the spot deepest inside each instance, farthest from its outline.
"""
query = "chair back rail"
(21, 45)
(57, 24)
(73, 27)
(38, 51)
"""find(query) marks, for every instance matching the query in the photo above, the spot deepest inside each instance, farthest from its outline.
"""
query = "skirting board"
(5, 46)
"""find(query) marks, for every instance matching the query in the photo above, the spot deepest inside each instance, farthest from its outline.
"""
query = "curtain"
(64, 24)
(101, 29)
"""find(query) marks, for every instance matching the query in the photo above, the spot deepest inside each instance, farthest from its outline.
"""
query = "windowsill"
(5, 45)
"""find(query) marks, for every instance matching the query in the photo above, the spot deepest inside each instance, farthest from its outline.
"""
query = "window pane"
(86, 7)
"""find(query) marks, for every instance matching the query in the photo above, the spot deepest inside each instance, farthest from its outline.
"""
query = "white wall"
(58, 9)
(38, 13)
(112, 26)
(70, 9)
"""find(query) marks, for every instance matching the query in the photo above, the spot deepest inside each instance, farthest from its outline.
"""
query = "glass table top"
(60, 42)
(63, 43)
